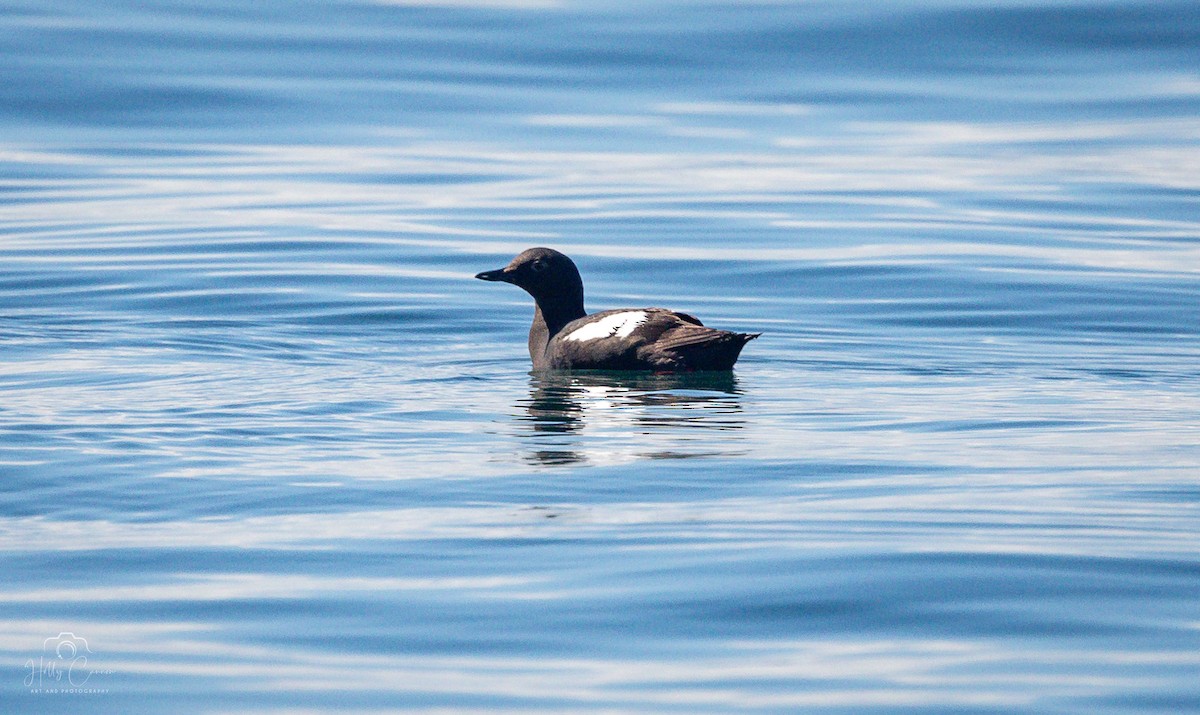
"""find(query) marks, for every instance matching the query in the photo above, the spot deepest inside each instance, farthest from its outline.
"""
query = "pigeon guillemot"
(564, 336)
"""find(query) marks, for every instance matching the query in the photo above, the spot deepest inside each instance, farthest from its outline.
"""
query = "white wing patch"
(617, 325)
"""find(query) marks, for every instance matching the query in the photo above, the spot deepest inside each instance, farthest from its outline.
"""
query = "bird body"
(564, 337)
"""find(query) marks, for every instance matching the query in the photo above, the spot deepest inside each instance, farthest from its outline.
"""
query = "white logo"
(62, 667)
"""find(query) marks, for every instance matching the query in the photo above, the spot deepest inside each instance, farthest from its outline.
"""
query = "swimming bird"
(564, 337)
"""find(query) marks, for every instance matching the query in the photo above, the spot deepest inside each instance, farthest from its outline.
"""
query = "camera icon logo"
(67, 646)
(62, 667)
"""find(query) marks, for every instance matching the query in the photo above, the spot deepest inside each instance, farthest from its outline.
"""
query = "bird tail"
(715, 350)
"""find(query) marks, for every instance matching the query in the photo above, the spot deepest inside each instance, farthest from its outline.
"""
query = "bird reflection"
(606, 417)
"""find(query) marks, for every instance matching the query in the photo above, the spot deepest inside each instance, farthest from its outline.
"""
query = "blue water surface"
(267, 447)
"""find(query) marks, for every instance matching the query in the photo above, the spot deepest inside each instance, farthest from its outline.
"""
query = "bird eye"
(538, 266)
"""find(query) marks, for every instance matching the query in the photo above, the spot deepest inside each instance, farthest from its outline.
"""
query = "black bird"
(564, 337)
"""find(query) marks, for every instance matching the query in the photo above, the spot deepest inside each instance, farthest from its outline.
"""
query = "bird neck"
(553, 315)
(558, 303)
(550, 320)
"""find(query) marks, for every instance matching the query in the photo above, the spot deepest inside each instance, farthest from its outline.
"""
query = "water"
(267, 447)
